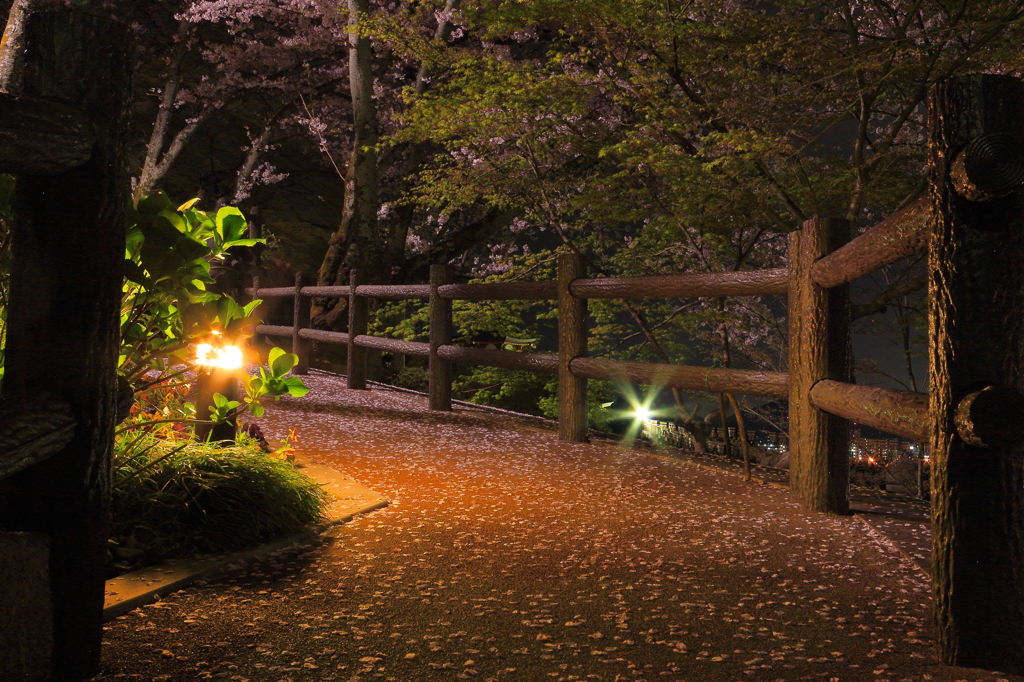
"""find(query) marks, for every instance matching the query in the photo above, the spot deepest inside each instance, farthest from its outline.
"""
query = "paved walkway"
(507, 555)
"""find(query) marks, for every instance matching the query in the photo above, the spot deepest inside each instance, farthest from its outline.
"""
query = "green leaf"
(283, 363)
(230, 224)
(246, 242)
(154, 203)
(174, 219)
(134, 273)
(251, 306)
(160, 232)
(295, 387)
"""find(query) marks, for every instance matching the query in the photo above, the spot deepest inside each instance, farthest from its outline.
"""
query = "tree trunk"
(976, 328)
(356, 243)
(12, 45)
(63, 319)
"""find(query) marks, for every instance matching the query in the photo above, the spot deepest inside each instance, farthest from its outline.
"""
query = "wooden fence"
(572, 290)
(819, 387)
(972, 222)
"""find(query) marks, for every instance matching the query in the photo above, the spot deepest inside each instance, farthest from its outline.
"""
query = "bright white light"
(642, 414)
(228, 357)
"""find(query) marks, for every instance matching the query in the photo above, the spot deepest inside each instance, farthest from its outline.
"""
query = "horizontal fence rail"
(903, 413)
(271, 292)
(499, 291)
(534, 362)
(711, 284)
(902, 234)
(273, 330)
(322, 336)
(394, 292)
(322, 292)
(711, 379)
(416, 348)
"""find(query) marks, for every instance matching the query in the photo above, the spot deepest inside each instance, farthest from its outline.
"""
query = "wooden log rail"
(499, 291)
(901, 413)
(416, 348)
(713, 284)
(391, 292)
(902, 234)
(323, 336)
(327, 292)
(271, 292)
(711, 379)
(274, 330)
(572, 289)
(710, 284)
(394, 292)
(546, 363)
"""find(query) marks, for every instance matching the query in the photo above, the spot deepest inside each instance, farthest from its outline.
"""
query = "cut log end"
(991, 418)
(990, 167)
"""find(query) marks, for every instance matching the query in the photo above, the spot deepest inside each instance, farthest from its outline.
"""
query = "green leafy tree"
(666, 137)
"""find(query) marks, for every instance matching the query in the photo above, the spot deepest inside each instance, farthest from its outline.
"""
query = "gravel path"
(507, 555)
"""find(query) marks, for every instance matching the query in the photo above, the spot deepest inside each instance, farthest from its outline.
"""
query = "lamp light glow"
(226, 357)
(642, 414)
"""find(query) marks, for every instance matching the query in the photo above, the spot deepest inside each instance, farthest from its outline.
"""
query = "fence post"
(440, 335)
(572, 343)
(976, 271)
(300, 318)
(357, 319)
(819, 348)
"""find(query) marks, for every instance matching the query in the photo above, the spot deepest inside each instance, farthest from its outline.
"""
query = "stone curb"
(130, 591)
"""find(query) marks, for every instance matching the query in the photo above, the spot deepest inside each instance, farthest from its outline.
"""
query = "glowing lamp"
(220, 361)
(225, 357)
(642, 414)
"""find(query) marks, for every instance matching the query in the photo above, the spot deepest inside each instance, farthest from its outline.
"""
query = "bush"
(204, 498)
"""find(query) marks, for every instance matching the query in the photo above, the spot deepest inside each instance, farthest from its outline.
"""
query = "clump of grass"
(174, 497)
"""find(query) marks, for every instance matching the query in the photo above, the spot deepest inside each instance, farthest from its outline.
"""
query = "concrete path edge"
(128, 592)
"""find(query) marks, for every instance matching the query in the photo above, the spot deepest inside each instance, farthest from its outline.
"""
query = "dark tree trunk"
(356, 244)
(819, 348)
(63, 319)
(976, 330)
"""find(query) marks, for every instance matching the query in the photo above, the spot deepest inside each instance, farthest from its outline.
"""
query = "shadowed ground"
(507, 555)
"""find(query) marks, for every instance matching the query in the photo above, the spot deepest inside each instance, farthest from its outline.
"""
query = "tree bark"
(42, 138)
(12, 43)
(155, 165)
(356, 243)
(63, 319)
(976, 331)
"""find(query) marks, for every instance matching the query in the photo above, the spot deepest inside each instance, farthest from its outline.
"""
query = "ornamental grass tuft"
(205, 497)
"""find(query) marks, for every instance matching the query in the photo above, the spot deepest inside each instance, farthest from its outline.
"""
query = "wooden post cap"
(989, 167)
(991, 417)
